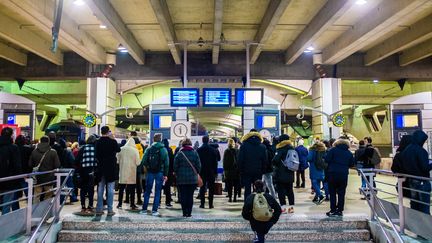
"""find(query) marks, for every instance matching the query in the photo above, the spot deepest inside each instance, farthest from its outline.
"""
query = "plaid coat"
(183, 171)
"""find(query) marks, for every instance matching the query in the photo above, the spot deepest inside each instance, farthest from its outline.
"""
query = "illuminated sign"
(89, 120)
(339, 120)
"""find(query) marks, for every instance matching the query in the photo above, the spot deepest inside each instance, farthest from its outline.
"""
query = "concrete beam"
(415, 34)
(106, 13)
(274, 12)
(12, 32)
(378, 22)
(416, 53)
(325, 18)
(70, 34)
(13, 55)
(163, 16)
(217, 29)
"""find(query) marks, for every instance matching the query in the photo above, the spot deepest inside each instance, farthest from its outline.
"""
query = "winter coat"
(282, 174)
(258, 226)
(106, 150)
(10, 164)
(230, 166)
(359, 155)
(128, 159)
(51, 161)
(270, 155)
(209, 160)
(314, 172)
(163, 156)
(415, 160)
(25, 152)
(182, 169)
(252, 157)
(303, 155)
(339, 158)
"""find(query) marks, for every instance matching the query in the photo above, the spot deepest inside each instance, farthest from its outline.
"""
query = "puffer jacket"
(252, 158)
(183, 171)
(339, 158)
(128, 160)
(50, 161)
(314, 173)
(415, 159)
(10, 163)
(302, 154)
(282, 174)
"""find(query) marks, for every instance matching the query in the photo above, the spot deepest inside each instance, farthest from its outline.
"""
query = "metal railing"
(54, 205)
(371, 190)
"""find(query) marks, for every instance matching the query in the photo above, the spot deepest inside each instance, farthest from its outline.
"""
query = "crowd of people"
(272, 168)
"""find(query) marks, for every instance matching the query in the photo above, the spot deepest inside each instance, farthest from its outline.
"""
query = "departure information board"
(217, 97)
(184, 97)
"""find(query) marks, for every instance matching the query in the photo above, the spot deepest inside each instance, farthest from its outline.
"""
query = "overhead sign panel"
(186, 97)
(217, 97)
(249, 97)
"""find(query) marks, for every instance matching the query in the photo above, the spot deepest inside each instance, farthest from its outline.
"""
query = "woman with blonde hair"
(231, 171)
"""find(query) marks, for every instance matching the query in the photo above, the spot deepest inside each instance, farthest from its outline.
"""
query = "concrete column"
(101, 96)
(327, 97)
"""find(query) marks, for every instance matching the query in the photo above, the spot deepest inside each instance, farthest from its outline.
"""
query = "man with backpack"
(317, 167)
(261, 210)
(156, 162)
(371, 157)
(286, 162)
(10, 165)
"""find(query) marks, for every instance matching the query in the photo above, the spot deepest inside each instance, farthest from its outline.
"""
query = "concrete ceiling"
(337, 28)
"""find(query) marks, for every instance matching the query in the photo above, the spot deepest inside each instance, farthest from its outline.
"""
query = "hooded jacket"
(128, 160)
(414, 159)
(282, 173)
(209, 158)
(314, 173)
(303, 154)
(339, 158)
(50, 161)
(10, 163)
(252, 158)
(163, 156)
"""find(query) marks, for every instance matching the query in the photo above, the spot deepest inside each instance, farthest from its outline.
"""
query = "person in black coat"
(209, 158)
(107, 170)
(415, 161)
(231, 172)
(10, 165)
(170, 180)
(339, 159)
(397, 159)
(259, 227)
(252, 160)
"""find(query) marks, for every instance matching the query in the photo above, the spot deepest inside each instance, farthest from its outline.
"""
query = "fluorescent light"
(124, 51)
(79, 2)
(307, 51)
(102, 26)
(361, 2)
(375, 81)
(121, 47)
(310, 48)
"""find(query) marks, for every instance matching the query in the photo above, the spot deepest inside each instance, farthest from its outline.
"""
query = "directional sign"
(180, 129)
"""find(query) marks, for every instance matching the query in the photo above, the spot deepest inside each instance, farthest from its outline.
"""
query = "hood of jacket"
(130, 143)
(419, 138)
(158, 145)
(283, 144)
(319, 146)
(342, 143)
(252, 137)
(43, 147)
(5, 140)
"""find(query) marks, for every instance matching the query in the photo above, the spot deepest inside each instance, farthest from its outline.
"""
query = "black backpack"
(320, 163)
(154, 161)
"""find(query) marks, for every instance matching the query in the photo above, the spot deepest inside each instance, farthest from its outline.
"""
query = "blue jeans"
(424, 186)
(110, 195)
(7, 207)
(150, 179)
(316, 185)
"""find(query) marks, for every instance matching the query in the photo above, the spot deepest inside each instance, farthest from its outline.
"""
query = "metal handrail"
(390, 173)
(375, 215)
(23, 176)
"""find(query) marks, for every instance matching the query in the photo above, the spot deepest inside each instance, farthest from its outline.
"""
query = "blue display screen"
(406, 120)
(161, 121)
(11, 119)
(184, 97)
(249, 97)
(266, 121)
(217, 97)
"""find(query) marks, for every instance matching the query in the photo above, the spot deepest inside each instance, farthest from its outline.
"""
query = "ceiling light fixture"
(375, 81)
(121, 47)
(310, 48)
(102, 26)
(79, 2)
(361, 2)
(124, 51)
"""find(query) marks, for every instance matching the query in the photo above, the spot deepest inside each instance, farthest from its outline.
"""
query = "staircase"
(135, 227)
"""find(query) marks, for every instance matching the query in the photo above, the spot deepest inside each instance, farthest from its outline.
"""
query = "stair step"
(233, 235)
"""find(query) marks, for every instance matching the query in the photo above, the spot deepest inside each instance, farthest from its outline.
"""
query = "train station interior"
(310, 69)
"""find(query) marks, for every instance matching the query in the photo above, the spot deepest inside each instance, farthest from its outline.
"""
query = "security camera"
(298, 116)
(200, 42)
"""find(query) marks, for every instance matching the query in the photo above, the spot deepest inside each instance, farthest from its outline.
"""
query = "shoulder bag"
(199, 179)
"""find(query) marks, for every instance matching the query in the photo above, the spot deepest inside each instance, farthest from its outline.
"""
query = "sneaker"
(99, 213)
(291, 210)
(155, 214)
(168, 206)
(284, 210)
(119, 206)
(143, 212)
(202, 206)
(110, 213)
(315, 199)
(133, 207)
(320, 200)
(140, 202)
(83, 211)
(339, 214)
(332, 214)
